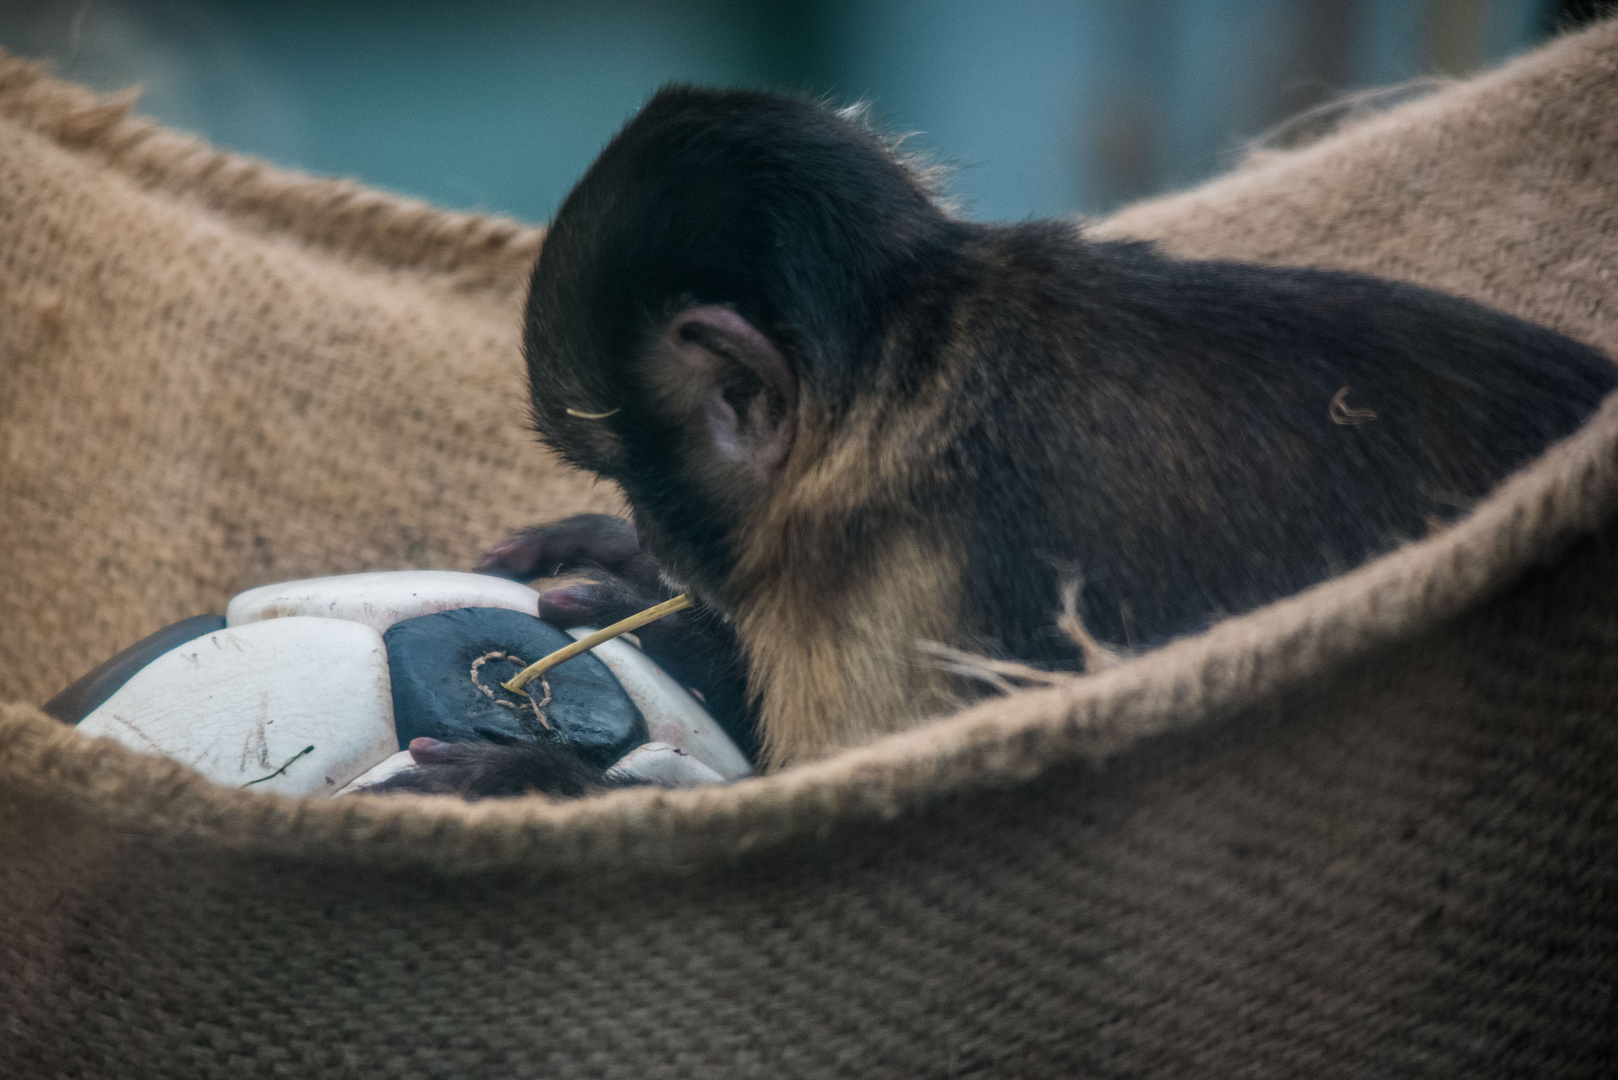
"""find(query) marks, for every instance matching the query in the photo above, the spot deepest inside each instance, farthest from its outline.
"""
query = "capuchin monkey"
(847, 421)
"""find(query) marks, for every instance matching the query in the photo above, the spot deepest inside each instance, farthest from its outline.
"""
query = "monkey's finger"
(429, 751)
(506, 559)
(580, 542)
(594, 604)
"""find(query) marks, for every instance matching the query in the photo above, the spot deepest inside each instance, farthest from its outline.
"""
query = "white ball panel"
(672, 715)
(241, 705)
(381, 599)
(664, 765)
(386, 769)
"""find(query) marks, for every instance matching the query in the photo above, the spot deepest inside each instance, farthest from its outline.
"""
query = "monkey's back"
(1194, 439)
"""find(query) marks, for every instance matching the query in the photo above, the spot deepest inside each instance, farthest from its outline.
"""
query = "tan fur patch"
(834, 658)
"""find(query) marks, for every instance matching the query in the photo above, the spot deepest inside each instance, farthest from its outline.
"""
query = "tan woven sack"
(1370, 830)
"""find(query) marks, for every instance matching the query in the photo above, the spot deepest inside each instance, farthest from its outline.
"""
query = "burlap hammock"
(1369, 830)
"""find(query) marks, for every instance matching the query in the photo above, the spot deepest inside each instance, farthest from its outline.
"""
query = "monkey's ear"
(744, 393)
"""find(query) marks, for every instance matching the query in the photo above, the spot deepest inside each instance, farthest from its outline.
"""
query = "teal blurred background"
(1042, 107)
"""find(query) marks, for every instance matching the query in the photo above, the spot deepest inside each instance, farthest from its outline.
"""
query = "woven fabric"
(1368, 830)
(217, 375)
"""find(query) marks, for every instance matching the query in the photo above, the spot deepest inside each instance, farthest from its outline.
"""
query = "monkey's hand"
(616, 579)
(486, 770)
(580, 544)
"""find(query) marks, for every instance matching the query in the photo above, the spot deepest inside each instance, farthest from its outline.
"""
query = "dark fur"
(978, 413)
(476, 770)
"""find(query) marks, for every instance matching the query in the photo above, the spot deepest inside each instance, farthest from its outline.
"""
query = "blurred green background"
(1043, 107)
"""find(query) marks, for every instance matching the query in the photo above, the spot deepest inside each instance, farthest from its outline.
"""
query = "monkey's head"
(708, 295)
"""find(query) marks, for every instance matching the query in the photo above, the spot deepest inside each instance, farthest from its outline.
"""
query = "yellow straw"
(585, 644)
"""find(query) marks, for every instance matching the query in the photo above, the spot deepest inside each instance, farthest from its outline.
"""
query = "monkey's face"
(694, 418)
(713, 278)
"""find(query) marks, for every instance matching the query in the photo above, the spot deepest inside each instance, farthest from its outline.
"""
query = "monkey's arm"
(485, 770)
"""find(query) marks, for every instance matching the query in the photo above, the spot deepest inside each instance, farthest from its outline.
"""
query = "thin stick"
(585, 644)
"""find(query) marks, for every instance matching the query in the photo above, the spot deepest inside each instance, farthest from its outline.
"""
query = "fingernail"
(427, 751)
